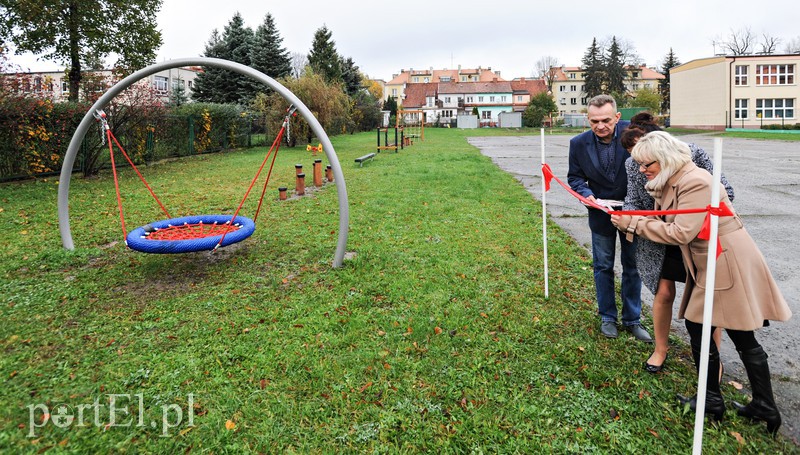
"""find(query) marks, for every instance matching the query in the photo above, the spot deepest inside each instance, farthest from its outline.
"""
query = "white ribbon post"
(708, 306)
(544, 225)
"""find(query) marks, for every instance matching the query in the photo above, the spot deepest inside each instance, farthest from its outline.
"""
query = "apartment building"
(397, 86)
(744, 91)
(568, 86)
(54, 85)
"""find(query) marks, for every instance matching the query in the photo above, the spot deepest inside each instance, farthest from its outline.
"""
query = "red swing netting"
(191, 231)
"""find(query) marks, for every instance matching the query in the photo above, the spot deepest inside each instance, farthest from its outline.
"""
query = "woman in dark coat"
(746, 296)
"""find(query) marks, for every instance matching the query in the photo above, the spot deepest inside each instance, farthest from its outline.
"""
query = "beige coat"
(745, 293)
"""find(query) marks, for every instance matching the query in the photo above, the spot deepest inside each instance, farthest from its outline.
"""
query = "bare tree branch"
(769, 44)
(547, 69)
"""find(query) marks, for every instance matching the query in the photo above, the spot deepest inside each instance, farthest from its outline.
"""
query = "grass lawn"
(434, 336)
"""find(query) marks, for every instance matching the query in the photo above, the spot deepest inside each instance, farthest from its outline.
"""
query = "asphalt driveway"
(766, 179)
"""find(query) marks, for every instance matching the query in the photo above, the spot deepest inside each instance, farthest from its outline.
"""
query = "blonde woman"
(746, 296)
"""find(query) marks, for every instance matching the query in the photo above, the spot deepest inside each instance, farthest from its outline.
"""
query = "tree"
(267, 55)
(390, 105)
(768, 44)
(739, 42)
(670, 61)
(218, 85)
(539, 108)
(299, 64)
(351, 76)
(324, 58)
(73, 32)
(547, 69)
(647, 98)
(793, 46)
(615, 70)
(594, 73)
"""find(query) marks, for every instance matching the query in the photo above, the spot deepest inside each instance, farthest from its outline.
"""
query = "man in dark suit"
(597, 171)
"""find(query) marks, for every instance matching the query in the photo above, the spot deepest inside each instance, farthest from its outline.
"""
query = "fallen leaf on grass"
(736, 385)
(365, 386)
(185, 430)
(437, 330)
(653, 432)
(738, 437)
(229, 425)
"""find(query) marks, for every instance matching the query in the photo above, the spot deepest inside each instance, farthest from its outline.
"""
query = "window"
(491, 99)
(774, 74)
(740, 75)
(64, 86)
(519, 97)
(502, 98)
(447, 114)
(572, 75)
(160, 83)
(447, 99)
(37, 84)
(573, 88)
(463, 78)
(775, 108)
(426, 79)
(741, 109)
(486, 115)
(470, 99)
(562, 88)
(480, 99)
(573, 101)
(562, 101)
(416, 79)
(634, 75)
(444, 79)
(634, 86)
(189, 84)
(177, 82)
(394, 92)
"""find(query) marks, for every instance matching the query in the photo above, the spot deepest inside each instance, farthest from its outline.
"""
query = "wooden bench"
(361, 159)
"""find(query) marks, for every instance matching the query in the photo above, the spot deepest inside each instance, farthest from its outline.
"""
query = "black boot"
(762, 406)
(715, 405)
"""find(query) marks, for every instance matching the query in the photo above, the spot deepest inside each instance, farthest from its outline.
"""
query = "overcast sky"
(384, 37)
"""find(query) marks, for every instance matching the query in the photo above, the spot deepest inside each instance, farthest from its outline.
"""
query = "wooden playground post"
(328, 173)
(282, 193)
(300, 184)
(317, 173)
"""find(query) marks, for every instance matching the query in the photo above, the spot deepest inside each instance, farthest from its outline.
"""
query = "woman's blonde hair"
(670, 153)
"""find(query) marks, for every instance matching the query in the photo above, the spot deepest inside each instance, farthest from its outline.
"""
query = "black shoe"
(762, 407)
(609, 329)
(715, 405)
(653, 369)
(639, 333)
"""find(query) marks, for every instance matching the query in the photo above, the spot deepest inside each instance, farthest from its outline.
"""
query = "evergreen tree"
(238, 41)
(351, 77)
(670, 61)
(220, 85)
(323, 58)
(206, 85)
(593, 75)
(539, 108)
(267, 55)
(615, 70)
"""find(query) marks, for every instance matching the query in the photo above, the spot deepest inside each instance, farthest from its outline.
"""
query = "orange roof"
(416, 94)
(532, 86)
(479, 74)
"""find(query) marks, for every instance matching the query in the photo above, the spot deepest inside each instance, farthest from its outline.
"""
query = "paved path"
(766, 179)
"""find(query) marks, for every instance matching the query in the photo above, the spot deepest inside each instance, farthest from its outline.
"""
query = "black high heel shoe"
(653, 369)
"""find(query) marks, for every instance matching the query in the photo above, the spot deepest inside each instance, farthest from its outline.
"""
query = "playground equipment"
(398, 133)
(412, 124)
(314, 149)
(228, 222)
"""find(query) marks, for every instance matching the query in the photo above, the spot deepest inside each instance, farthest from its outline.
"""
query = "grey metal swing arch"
(102, 102)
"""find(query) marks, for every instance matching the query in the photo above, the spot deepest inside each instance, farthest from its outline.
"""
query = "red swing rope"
(275, 147)
(110, 138)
